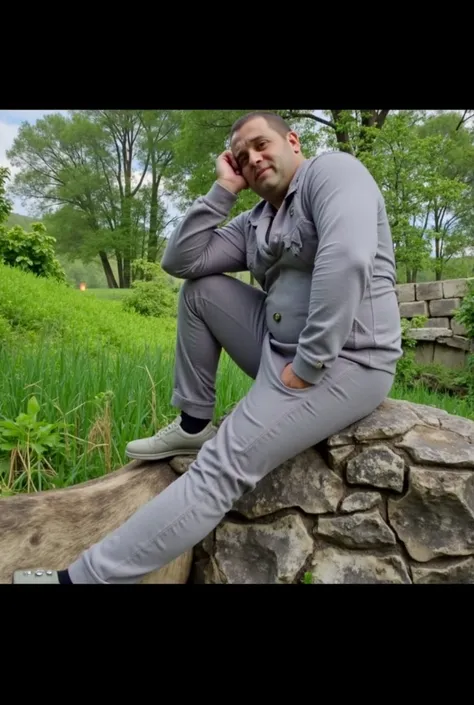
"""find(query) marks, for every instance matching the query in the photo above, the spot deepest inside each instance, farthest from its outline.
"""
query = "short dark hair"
(273, 119)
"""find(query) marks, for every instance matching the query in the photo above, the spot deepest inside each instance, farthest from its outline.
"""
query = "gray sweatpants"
(271, 424)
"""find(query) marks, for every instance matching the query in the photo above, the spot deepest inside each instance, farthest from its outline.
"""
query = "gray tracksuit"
(325, 260)
(327, 304)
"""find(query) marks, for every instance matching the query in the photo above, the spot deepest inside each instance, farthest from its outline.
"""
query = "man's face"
(267, 159)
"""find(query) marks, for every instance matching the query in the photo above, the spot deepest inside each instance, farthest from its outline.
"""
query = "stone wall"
(443, 341)
(387, 500)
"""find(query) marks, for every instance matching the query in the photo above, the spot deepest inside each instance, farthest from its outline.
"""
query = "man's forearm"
(198, 246)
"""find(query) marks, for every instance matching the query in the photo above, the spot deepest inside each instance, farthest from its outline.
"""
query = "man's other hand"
(291, 380)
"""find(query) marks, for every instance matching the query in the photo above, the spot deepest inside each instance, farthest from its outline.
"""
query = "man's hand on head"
(228, 173)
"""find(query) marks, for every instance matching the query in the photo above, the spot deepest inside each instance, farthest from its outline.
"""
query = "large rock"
(260, 553)
(332, 564)
(50, 529)
(388, 500)
(305, 482)
(436, 516)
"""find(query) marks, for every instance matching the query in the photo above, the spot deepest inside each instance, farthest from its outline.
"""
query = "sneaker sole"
(165, 454)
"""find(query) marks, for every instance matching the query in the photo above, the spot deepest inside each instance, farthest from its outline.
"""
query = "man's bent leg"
(269, 425)
(215, 312)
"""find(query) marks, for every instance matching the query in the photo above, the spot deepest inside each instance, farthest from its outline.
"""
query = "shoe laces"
(171, 427)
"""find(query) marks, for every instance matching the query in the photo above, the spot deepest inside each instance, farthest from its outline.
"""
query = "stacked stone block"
(443, 340)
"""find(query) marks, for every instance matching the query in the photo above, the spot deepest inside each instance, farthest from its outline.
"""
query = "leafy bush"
(151, 294)
(407, 367)
(30, 251)
(29, 441)
(465, 313)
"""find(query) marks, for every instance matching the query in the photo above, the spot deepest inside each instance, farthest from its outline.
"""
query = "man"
(321, 338)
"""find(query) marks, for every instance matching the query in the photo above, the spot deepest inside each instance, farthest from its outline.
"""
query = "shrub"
(151, 294)
(407, 367)
(465, 313)
(30, 251)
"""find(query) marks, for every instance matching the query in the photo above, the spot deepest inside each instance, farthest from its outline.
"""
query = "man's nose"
(255, 158)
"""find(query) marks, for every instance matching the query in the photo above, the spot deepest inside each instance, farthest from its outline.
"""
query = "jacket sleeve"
(198, 247)
(343, 198)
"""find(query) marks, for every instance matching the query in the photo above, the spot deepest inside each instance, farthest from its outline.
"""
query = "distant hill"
(24, 221)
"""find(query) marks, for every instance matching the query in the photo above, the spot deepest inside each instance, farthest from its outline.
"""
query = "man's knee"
(212, 283)
(206, 287)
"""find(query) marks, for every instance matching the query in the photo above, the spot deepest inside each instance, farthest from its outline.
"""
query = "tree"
(5, 203)
(86, 171)
(348, 130)
(450, 189)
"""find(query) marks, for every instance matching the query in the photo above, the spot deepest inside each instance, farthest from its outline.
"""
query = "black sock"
(63, 577)
(191, 424)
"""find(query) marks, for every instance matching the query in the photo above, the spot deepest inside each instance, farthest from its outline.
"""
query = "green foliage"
(80, 170)
(204, 134)
(47, 308)
(29, 442)
(30, 251)
(407, 367)
(465, 313)
(151, 294)
(5, 329)
(102, 376)
(423, 166)
(5, 203)
(25, 221)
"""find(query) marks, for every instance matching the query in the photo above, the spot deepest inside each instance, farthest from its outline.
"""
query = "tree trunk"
(109, 275)
(118, 257)
(152, 238)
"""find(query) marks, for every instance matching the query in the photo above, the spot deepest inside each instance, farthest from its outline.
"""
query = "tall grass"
(112, 398)
(108, 400)
(106, 373)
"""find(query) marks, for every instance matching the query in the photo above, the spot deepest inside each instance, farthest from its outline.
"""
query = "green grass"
(107, 373)
(110, 398)
(420, 395)
(108, 294)
(38, 307)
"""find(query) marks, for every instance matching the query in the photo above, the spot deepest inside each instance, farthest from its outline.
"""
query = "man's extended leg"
(269, 425)
(214, 312)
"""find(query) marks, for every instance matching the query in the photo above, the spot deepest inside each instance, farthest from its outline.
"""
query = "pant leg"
(269, 425)
(215, 312)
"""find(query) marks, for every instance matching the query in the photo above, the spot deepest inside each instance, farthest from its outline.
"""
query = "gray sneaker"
(37, 576)
(169, 441)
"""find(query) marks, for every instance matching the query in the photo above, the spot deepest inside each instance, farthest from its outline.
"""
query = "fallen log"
(50, 529)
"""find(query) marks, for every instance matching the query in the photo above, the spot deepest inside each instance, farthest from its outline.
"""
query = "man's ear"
(294, 141)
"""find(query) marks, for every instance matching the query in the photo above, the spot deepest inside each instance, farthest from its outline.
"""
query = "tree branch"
(464, 118)
(310, 116)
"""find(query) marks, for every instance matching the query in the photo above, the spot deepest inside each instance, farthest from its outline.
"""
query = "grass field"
(106, 373)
